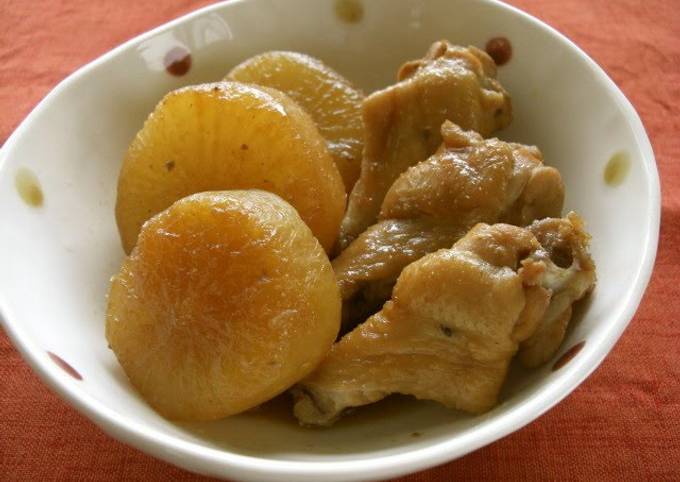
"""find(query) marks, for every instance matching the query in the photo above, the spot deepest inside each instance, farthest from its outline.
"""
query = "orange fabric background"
(623, 423)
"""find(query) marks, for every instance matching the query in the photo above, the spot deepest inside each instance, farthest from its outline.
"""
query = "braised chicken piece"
(433, 204)
(456, 319)
(402, 121)
(569, 277)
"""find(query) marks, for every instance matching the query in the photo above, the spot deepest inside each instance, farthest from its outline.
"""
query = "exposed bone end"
(569, 276)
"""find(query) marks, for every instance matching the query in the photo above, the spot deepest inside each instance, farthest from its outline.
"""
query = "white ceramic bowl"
(57, 259)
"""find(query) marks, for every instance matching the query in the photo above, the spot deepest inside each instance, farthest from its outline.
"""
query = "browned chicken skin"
(402, 121)
(431, 205)
(455, 320)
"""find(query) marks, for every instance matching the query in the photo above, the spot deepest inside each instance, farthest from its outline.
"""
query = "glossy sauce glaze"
(568, 355)
(499, 49)
(28, 187)
(177, 61)
(617, 168)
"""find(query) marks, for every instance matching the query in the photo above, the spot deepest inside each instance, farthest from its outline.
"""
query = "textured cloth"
(623, 423)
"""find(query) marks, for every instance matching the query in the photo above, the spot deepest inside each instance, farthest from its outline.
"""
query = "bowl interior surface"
(57, 259)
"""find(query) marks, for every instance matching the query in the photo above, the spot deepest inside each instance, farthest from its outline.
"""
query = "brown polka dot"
(28, 187)
(617, 169)
(170, 165)
(244, 147)
(568, 355)
(349, 11)
(499, 49)
(177, 61)
(415, 434)
(65, 366)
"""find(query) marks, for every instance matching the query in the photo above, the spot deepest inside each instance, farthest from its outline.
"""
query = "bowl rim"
(221, 462)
